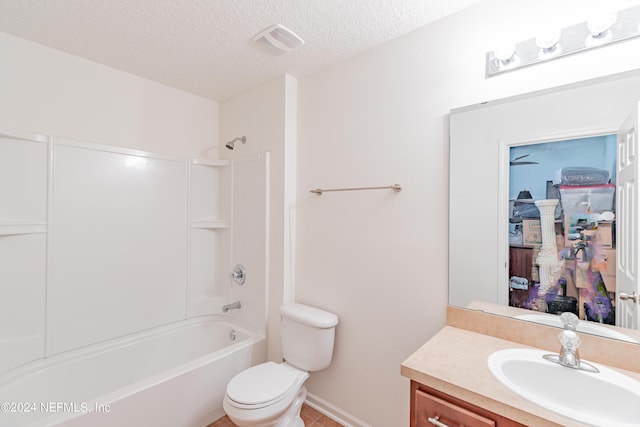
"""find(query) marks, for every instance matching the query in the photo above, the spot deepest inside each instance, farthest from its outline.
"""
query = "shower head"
(231, 143)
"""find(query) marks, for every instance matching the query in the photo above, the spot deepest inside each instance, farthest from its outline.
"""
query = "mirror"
(482, 138)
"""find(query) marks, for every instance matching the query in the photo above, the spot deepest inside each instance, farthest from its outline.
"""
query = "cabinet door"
(431, 410)
(427, 403)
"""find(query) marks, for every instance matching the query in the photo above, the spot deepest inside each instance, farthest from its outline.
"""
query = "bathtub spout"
(232, 306)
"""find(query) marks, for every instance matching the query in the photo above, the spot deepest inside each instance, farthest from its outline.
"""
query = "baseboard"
(333, 412)
(210, 418)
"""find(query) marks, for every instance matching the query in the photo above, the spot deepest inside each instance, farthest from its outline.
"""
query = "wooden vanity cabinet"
(430, 407)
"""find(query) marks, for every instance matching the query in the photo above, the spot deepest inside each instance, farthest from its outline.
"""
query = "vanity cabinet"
(431, 407)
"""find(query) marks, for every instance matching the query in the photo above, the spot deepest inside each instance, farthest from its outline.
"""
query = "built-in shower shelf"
(17, 228)
(212, 163)
(210, 223)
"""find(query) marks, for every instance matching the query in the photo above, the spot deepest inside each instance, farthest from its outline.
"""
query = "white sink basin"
(608, 398)
(583, 326)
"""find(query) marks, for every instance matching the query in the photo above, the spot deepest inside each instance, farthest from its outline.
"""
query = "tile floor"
(310, 416)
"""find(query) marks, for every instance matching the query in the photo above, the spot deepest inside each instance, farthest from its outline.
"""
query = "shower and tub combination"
(174, 375)
(118, 304)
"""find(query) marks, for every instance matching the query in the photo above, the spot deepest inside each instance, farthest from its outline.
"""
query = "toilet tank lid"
(309, 315)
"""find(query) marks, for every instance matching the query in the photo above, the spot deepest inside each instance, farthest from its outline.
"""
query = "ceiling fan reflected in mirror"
(515, 161)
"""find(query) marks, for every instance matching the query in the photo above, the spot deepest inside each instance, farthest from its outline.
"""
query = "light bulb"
(505, 53)
(548, 38)
(600, 23)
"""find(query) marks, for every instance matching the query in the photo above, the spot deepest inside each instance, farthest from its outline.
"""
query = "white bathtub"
(172, 376)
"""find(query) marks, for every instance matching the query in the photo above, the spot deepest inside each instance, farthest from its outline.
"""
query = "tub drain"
(232, 335)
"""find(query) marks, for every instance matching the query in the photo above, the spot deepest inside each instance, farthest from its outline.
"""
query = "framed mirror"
(490, 145)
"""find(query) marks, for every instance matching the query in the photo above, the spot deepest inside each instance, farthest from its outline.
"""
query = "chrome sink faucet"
(569, 355)
(570, 341)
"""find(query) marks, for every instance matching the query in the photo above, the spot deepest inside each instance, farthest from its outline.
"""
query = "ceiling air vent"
(280, 37)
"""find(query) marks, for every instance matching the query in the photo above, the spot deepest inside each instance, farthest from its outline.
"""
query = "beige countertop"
(454, 361)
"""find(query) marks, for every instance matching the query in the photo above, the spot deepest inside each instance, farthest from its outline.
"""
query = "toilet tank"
(307, 335)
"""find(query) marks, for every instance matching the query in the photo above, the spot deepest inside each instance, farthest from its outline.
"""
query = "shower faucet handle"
(239, 274)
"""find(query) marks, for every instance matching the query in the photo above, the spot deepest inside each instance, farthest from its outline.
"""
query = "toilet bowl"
(271, 394)
(266, 395)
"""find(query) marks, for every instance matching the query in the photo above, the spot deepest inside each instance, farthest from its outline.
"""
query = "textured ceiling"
(205, 46)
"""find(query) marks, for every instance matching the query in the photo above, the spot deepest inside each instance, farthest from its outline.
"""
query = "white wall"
(379, 259)
(53, 93)
(266, 115)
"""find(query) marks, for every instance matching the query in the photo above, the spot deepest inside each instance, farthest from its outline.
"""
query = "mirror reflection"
(550, 177)
(580, 175)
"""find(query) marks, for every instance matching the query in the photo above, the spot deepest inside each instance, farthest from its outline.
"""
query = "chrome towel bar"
(394, 187)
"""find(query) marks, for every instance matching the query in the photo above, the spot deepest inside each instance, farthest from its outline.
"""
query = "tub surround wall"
(117, 241)
(250, 245)
(210, 213)
(117, 246)
(23, 248)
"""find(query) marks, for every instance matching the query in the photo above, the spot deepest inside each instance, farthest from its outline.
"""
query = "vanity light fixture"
(600, 30)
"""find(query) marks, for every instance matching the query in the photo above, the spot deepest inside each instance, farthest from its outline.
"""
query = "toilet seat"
(264, 385)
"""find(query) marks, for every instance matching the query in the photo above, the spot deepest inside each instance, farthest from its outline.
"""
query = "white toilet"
(271, 394)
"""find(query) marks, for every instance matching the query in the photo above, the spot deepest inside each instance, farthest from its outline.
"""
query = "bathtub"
(172, 376)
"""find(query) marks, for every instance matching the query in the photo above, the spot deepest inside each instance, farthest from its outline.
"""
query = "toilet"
(271, 394)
